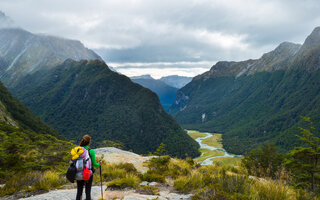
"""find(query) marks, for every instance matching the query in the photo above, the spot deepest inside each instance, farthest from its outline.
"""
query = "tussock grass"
(271, 190)
(31, 181)
(49, 180)
(111, 171)
(189, 183)
(178, 167)
(152, 176)
(129, 181)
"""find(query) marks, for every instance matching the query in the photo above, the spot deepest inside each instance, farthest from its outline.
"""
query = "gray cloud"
(140, 31)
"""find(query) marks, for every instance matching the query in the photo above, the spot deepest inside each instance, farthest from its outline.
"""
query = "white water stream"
(208, 159)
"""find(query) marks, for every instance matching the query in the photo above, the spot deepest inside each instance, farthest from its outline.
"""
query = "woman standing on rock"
(85, 143)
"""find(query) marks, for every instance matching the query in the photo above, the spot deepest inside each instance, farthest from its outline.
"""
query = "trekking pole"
(101, 182)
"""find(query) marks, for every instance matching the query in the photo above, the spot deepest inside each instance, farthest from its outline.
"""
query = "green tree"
(161, 150)
(303, 162)
(263, 161)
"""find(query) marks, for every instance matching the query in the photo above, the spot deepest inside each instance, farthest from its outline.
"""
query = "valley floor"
(212, 150)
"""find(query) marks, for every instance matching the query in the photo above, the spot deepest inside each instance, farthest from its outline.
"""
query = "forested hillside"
(26, 142)
(86, 97)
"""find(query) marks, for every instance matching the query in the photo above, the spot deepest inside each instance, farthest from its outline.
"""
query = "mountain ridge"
(255, 101)
(22, 52)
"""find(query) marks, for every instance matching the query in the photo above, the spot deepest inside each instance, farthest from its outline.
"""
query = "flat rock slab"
(66, 194)
(131, 195)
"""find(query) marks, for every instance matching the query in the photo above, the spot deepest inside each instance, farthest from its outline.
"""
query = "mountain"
(86, 97)
(166, 93)
(51, 76)
(256, 101)
(22, 52)
(176, 81)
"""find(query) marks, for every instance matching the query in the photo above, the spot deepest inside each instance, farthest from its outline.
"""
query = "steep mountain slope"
(16, 114)
(26, 142)
(86, 97)
(176, 81)
(256, 101)
(166, 93)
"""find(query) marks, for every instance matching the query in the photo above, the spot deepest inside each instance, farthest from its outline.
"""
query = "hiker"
(85, 143)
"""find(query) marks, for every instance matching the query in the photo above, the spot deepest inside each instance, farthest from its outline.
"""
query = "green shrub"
(159, 164)
(130, 181)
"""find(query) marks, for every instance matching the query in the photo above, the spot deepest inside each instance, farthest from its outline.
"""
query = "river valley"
(212, 150)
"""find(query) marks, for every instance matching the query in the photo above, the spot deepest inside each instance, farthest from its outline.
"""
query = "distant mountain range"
(256, 101)
(166, 93)
(176, 81)
(53, 78)
(165, 87)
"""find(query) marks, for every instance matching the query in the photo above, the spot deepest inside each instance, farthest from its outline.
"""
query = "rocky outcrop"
(114, 155)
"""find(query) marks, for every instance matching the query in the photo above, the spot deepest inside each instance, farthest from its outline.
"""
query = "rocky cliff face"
(308, 56)
(22, 52)
(276, 59)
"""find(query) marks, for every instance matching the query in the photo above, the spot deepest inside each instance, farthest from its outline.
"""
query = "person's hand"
(100, 162)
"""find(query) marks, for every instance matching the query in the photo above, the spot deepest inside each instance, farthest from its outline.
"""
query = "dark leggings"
(88, 184)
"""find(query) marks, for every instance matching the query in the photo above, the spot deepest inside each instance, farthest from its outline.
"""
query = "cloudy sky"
(184, 37)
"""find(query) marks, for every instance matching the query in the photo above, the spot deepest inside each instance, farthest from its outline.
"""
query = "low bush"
(159, 164)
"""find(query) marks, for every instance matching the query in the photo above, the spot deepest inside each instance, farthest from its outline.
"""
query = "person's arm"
(93, 158)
